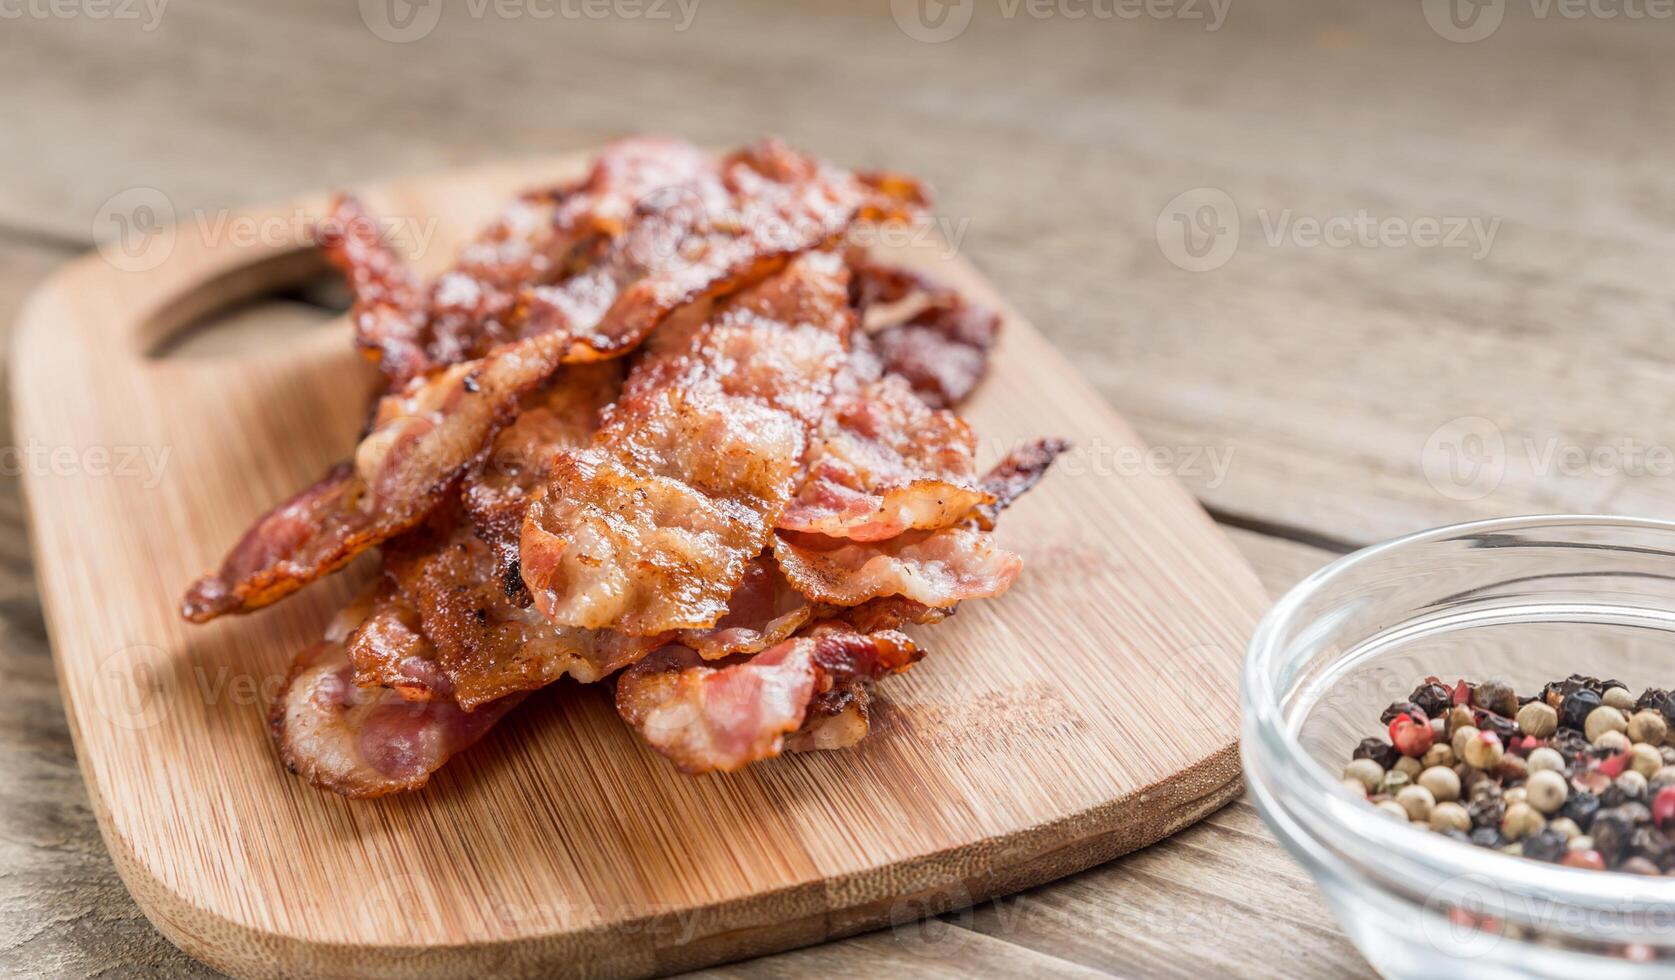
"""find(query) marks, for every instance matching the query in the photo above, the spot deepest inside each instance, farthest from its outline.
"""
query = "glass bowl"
(1526, 600)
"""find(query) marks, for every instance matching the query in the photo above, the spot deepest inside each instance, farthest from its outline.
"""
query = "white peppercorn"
(1418, 802)
(1612, 741)
(1538, 719)
(1520, 821)
(1645, 759)
(1439, 754)
(1394, 809)
(1619, 698)
(1450, 816)
(1601, 720)
(1546, 791)
(1408, 766)
(1443, 782)
(1543, 759)
(1648, 727)
(1462, 735)
(1483, 751)
(1633, 782)
(1564, 827)
(1364, 771)
(1581, 842)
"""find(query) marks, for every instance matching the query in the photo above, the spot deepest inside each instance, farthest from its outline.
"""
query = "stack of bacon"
(658, 424)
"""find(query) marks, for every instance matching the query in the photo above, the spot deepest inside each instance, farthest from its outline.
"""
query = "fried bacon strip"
(484, 645)
(650, 529)
(366, 742)
(562, 415)
(836, 719)
(443, 626)
(388, 313)
(564, 243)
(938, 568)
(422, 440)
(1013, 476)
(707, 717)
(886, 463)
(924, 331)
(426, 436)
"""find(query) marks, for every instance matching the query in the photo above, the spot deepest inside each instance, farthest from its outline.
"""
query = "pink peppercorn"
(1584, 859)
(1613, 766)
(1411, 738)
(1663, 806)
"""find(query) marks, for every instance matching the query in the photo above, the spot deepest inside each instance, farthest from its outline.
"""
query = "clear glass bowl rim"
(1286, 782)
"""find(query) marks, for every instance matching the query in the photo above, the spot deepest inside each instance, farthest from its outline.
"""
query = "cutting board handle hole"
(267, 303)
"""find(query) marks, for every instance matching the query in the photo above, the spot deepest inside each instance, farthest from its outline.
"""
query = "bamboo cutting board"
(1088, 712)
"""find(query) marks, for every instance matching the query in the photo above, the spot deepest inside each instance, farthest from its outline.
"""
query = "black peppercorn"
(1495, 696)
(1611, 832)
(1574, 711)
(1405, 708)
(1652, 699)
(1638, 866)
(1432, 698)
(1580, 806)
(1569, 743)
(1488, 837)
(1506, 728)
(1378, 750)
(1613, 796)
(1545, 845)
(1649, 843)
(1486, 811)
(1634, 813)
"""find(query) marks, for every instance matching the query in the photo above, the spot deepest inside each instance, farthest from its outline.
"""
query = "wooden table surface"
(1413, 279)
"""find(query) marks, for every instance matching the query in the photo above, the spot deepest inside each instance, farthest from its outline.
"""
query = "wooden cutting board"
(1088, 712)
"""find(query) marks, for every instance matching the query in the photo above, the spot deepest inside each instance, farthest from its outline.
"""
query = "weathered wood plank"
(1324, 371)
(933, 948)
